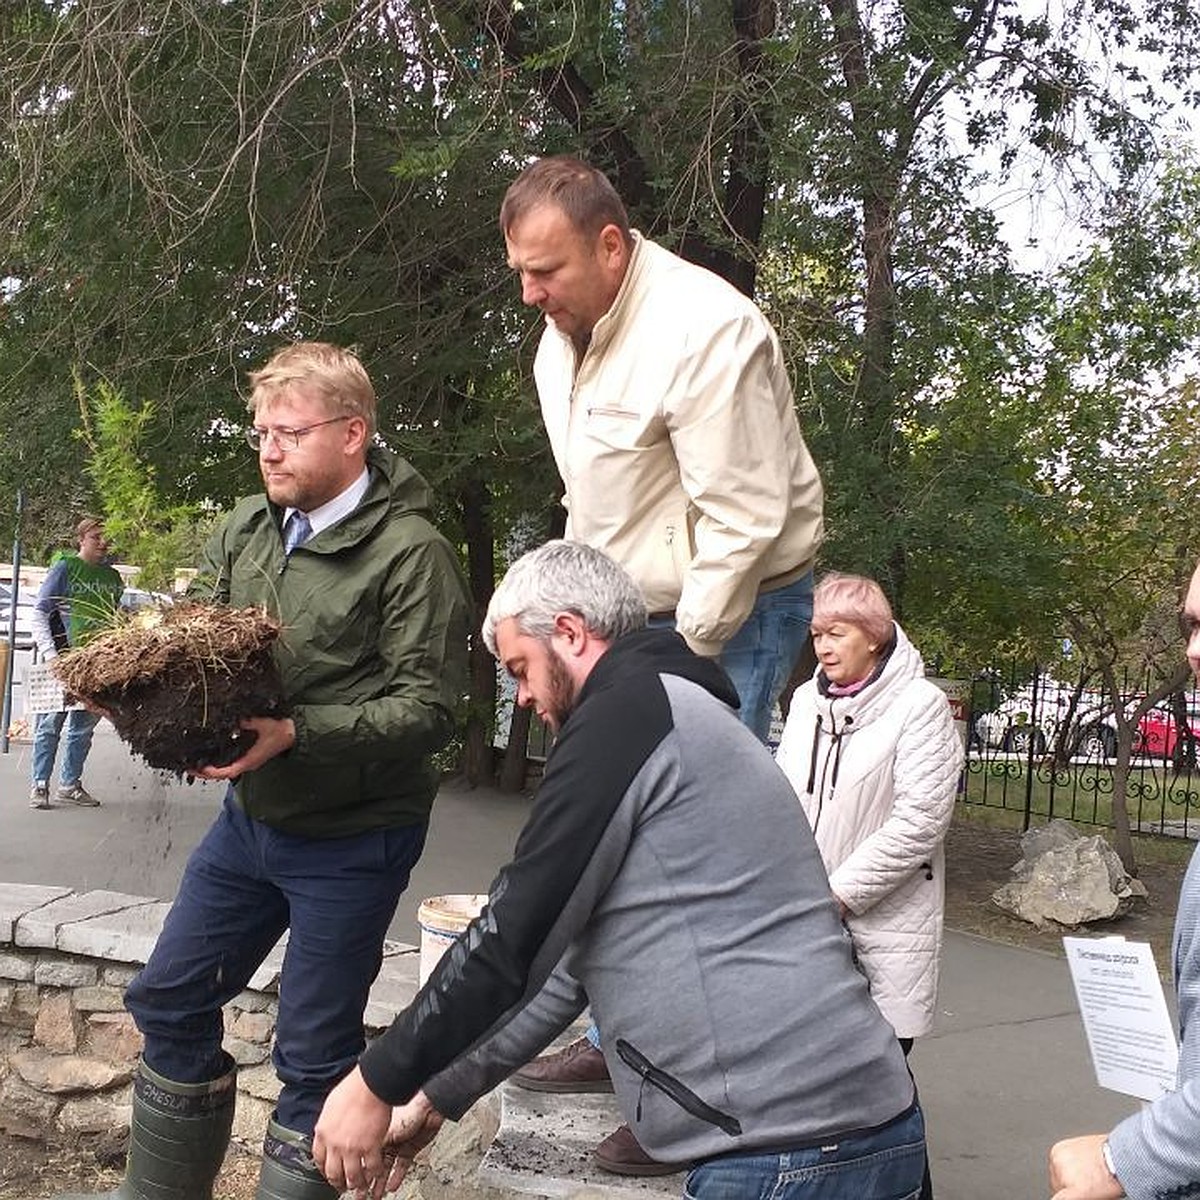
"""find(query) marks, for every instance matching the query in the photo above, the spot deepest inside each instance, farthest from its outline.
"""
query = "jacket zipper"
(834, 755)
(682, 1095)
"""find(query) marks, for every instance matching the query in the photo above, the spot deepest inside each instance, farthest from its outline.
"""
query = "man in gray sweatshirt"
(666, 877)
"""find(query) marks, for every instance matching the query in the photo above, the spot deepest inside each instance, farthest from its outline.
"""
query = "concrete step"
(545, 1143)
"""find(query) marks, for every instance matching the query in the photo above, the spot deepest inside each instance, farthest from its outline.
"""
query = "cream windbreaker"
(877, 774)
(677, 441)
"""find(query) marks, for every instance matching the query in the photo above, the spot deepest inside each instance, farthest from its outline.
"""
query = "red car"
(1157, 732)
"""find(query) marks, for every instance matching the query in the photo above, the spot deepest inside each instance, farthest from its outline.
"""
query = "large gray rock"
(1066, 878)
(1055, 834)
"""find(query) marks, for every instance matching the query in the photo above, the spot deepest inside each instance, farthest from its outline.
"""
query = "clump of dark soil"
(177, 681)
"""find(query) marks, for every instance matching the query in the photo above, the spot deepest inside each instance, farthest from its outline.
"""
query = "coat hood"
(408, 489)
(395, 488)
(658, 652)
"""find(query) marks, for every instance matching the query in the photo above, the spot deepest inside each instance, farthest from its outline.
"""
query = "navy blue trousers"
(244, 885)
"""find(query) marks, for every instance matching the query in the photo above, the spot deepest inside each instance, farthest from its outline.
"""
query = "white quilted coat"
(877, 774)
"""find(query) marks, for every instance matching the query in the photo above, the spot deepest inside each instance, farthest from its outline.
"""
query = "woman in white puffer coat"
(871, 750)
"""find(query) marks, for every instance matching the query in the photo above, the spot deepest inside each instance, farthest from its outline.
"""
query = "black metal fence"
(1044, 749)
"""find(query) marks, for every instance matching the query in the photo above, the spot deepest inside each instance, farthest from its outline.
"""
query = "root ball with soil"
(177, 681)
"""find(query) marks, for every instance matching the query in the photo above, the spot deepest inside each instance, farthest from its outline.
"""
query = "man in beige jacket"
(670, 414)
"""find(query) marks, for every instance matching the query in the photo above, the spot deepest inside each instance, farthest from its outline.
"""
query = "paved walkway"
(1005, 1072)
(138, 841)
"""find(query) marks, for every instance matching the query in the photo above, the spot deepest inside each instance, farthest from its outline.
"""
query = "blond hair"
(334, 377)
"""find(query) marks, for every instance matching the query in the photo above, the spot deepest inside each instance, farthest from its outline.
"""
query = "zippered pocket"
(606, 410)
(636, 1061)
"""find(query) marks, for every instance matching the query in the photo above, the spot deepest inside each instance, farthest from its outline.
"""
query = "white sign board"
(43, 692)
(1129, 1029)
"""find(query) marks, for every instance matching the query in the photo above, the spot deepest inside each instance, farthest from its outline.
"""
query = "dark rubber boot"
(288, 1169)
(177, 1138)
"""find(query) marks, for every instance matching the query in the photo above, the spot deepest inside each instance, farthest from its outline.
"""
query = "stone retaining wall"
(68, 1048)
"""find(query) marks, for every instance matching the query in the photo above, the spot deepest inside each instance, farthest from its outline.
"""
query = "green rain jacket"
(372, 654)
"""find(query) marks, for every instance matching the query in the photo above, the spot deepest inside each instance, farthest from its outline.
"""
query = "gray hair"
(560, 577)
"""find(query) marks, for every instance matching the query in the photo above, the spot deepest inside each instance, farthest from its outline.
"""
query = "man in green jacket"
(328, 807)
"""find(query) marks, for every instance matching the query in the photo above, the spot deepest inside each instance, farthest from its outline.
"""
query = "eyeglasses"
(286, 439)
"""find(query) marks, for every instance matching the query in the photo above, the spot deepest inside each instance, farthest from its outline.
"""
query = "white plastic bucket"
(442, 919)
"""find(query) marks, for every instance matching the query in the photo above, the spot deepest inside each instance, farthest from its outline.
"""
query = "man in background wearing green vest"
(77, 599)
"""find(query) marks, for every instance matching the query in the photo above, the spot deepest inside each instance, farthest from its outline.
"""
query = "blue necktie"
(296, 531)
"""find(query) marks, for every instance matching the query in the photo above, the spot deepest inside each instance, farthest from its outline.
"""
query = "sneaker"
(76, 793)
(621, 1154)
(580, 1067)
(40, 796)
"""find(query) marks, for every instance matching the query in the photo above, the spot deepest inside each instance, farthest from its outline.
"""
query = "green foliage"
(1120, 442)
(305, 169)
(153, 534)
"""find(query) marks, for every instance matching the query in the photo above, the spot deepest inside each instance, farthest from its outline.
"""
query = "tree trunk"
(879, 169)
(802, 672)
(1183, 754)
(877, 383)
(478, 759)
(516, 760)
(750, 151)
(1066, 735)
(514, 768)
(1126, 726)
(1122, 836)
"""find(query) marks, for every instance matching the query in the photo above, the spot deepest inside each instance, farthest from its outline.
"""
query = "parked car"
(1012, 726)
(1015, 723)
(25, 601)
(1158, 734)
(134, 598)
(1098, 739)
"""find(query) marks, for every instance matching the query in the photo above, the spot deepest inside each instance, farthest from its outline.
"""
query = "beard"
(560, 703)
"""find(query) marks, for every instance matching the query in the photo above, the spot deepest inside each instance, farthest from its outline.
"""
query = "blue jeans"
(243, 886)
(81, 724)
(885, 1164)
(759, 658)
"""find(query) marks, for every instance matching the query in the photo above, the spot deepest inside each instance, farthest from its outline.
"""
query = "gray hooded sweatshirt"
(668, 877)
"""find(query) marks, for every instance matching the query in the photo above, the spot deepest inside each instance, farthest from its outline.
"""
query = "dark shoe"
(39, 797)
(621, 1154)
(76, 793)
(579, 1067)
